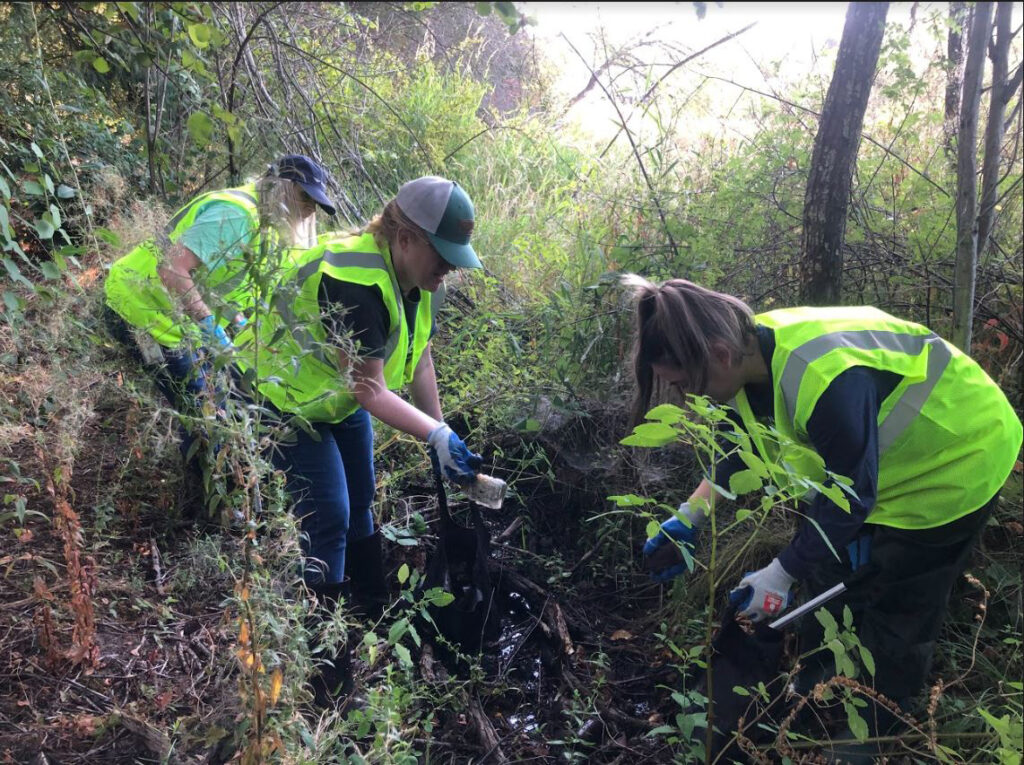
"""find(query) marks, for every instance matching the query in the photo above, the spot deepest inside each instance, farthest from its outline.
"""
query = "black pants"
(899, 601)
(183, 377)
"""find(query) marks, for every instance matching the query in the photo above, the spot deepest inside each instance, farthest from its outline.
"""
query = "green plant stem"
(709, 728)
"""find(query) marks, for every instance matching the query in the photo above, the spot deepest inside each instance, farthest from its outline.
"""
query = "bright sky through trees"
(793, 34)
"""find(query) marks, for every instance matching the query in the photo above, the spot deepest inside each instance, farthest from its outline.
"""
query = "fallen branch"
(488, 736)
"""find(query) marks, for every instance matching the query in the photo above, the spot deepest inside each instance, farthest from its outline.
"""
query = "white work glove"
(451, 457)
(763, 593)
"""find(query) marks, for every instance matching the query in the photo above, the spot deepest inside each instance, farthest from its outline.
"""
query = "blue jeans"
(332, 483)
(184, 379)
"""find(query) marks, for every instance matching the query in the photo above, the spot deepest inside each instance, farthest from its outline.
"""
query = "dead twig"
(158, 574)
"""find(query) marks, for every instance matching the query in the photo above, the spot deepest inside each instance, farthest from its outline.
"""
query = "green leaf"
(739, 690)
(436, 596)
(200, 127)
(743, 513)
(5, 223)
(65, 192)
(653, 527)
(867, 660)
(32, 187)
(484, 9)
(858, 726)
(100, 65)
(199, 34)
(754, 462)
(55, 218)
(666, 413)
(5, 189)
(44, 228)
(628, 500)
(404, 658)
(826, 620)
(403, 573)
(650, 434)
(36, 150)
(15, 273)
(744, 482)
(398, 630)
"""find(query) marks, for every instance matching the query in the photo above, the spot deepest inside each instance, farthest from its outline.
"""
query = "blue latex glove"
(763, 593)
(673, 529)
(859, 551)
(213, 334)
(451, 457)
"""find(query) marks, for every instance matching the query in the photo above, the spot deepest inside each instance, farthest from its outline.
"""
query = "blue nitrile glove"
(672, 529)
(859, 551)
(451, 457)
(763, 593)
(213, 334)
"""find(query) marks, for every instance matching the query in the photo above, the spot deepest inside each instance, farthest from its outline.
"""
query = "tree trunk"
(999, 98)
(835, 154)
(958, 17)
(966, 183)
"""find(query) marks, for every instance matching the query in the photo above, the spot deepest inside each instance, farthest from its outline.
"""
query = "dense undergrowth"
(129, 635)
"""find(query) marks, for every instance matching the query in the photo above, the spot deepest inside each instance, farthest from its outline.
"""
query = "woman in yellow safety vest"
(927, 438)
(180, 292)
(350, 324)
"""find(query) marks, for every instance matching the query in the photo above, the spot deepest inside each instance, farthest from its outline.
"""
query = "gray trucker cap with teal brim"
(444, 211)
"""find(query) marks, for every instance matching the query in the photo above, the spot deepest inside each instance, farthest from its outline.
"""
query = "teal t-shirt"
(217, 234)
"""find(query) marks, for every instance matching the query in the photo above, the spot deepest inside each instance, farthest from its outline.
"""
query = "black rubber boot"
(192, 494)
(331, 681)
(364, 564)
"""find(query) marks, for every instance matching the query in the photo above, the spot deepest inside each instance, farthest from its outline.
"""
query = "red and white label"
(772, 603)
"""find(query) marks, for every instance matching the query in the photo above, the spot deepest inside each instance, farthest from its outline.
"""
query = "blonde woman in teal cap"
(361, 312)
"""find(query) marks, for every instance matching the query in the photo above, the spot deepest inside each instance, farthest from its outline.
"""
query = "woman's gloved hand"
(662, 556)
(451, 457)
(763, 593)
(213, 334)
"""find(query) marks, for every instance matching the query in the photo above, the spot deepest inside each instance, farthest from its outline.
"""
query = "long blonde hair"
(280, 207)
(385, 227)
(676, 324)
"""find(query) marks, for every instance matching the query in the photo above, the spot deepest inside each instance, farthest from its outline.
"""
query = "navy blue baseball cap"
(308, 174)
(445, 212)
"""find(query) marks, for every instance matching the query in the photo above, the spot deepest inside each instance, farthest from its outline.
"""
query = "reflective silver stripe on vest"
(298, 330)
(308, 270)
(913, 398)
(357, 259)
(178, 216)
(371, 260)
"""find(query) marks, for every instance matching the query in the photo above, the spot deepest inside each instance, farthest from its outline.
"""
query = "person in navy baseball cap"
(308, 174)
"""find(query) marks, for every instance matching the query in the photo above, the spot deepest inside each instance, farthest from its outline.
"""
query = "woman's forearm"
(393, 410)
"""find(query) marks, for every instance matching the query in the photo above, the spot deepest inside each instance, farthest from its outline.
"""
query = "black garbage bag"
(459, 566)
(741, 659)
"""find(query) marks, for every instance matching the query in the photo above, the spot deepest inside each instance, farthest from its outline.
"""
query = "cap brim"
(320, 198)
(458, 255)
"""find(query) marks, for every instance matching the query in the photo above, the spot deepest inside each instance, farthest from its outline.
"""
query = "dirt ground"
(572, 669)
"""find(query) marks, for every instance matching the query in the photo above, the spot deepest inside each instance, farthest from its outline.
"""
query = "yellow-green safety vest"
(134, 289)
(287, 349)
(947, 436)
